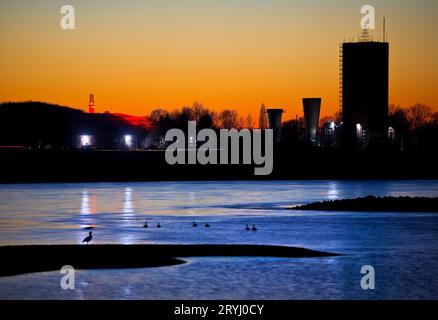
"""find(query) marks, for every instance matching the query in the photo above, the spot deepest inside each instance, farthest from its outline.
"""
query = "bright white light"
(332, 125)
(391, 132)
(359, 132)
(128, 140)
(85, 140)
(192, 141)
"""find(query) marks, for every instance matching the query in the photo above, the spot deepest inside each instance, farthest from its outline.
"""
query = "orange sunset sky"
(136, 56)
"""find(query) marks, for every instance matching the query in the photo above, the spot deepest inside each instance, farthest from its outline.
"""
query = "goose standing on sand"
(88, 238)
(253, 228)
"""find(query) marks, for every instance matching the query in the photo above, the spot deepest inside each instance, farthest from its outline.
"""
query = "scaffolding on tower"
(341, 62)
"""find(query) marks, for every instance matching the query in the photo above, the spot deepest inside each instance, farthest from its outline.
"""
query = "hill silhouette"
(39, 124)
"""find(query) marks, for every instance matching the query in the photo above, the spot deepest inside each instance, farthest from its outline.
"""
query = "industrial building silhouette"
(364, 84)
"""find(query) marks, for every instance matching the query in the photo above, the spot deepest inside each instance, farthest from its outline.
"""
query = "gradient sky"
(139, 55)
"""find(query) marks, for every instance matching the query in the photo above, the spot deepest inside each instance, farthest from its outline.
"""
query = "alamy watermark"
(368, 21)
(67, 281)
(68, 20)
(368, 281)
(215, 150)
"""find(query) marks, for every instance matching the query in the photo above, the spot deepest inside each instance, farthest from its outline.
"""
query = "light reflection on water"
(85, 204)
(403, 247)
(128, 206)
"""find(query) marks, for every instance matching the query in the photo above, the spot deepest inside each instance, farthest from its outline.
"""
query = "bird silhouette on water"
(88, 238)
(145, 225)
(253, 228)
(194, 224)
(247, 228)
(207, 225)
(158, 225)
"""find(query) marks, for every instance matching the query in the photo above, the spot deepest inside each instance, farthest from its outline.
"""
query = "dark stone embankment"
(371, 203)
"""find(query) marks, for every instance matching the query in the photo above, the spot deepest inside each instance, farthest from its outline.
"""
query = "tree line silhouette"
(36, 123)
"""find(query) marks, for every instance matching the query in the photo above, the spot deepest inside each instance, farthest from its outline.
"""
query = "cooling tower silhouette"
(274, 120)
(312, 107)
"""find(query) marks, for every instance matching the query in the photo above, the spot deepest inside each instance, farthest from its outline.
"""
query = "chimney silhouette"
(91, 104)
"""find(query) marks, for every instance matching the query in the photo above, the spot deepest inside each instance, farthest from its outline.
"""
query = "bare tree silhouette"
(419, 115)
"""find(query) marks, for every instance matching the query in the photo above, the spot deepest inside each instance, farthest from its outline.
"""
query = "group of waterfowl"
(194, 225)
(146, 225)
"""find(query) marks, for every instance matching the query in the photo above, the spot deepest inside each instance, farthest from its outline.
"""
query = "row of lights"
(86, 140)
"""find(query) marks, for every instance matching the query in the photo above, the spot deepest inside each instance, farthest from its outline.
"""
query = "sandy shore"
(38, 258)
